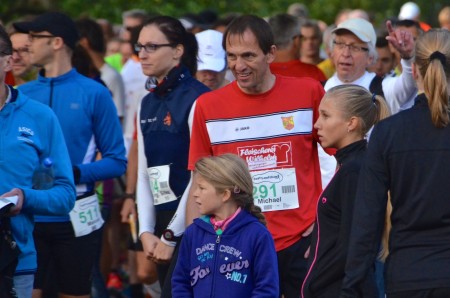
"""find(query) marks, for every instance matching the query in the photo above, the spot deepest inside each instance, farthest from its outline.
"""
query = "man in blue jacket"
(30, 132)
(90, 125)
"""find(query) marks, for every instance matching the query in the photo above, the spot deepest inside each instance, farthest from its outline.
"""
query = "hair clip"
(236, 189)
(374, 98)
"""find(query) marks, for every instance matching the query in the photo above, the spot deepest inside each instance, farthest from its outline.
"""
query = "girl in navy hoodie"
(346, 114)
(228, 252)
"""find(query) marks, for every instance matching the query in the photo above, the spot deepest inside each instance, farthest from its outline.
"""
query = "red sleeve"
(9, 79)
(320, 75)
(200, 143)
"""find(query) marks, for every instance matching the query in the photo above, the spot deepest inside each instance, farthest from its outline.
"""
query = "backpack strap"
(376, 86)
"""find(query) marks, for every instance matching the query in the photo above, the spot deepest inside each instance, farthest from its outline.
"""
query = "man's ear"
(57, 42)
(271, 54)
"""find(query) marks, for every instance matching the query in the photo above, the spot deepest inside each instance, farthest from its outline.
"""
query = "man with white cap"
(212, 60)
(353, 50)
(411, 11)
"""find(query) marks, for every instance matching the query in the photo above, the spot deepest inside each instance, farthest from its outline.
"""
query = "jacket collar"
(64, 77)
(345, 153)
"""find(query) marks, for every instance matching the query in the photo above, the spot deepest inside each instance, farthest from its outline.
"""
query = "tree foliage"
(112, 9)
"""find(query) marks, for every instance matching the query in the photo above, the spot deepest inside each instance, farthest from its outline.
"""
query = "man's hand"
(402, 40)
(18, 207)
(128, 208)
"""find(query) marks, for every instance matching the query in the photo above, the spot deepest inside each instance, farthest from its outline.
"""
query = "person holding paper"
(30, 133)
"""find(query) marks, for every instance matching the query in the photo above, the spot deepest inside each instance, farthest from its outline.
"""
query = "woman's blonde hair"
(230, 172)
(354, 100)
(432, 60)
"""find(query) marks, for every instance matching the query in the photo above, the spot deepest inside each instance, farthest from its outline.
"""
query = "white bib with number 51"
(86, 216)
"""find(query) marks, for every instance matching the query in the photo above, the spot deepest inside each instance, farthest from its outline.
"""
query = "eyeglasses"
(21, 51)
(353, 48)
(150, 47)
(32, 36)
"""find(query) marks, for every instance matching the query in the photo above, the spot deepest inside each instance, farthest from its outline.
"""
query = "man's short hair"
(284, 28)
(408, 24)
(136, 14)
(260, 28)
(313, 24)
(382, 42)
(93, 33)
(5, 42)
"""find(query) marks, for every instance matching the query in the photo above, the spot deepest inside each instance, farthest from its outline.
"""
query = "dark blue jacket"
(330, 238)
(410, 157)
(165, 130)
(242, 262)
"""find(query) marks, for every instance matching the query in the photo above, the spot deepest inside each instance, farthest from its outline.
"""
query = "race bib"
(275, 189)
(159, 184)
(86, 216)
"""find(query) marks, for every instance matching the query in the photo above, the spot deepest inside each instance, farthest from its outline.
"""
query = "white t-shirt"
(134, 80)
(114, 82)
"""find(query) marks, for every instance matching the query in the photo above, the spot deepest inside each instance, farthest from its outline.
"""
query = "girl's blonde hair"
(354, 100)
(432, 59)
(230, 172)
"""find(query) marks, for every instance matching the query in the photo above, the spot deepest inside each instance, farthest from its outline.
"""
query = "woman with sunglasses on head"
(346, 114)
(168, 54)
(409, 155)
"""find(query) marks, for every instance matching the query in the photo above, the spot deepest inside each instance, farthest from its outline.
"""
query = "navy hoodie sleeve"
(265, 270)
(181, 279)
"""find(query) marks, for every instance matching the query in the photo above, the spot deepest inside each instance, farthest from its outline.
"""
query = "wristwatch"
(169, 235)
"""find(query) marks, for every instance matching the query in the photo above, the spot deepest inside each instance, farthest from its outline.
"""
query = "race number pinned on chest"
(159, 184)
(86, 216)
(275, 189)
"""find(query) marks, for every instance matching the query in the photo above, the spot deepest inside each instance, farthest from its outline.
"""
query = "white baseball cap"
(409, 11)
(210, 51)
(361, 28)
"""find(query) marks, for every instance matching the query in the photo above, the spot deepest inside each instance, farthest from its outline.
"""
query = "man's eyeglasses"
(353, 48)
(150, 47)
(32, 36)
(21, 51)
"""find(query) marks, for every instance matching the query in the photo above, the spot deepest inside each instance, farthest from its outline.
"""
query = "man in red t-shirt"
(287, 38)
(268, 121)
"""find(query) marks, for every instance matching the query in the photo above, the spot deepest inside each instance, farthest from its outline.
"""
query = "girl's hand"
(149, 243)
(163, 253)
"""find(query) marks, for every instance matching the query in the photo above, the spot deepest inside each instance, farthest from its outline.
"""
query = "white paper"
(8, 200)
